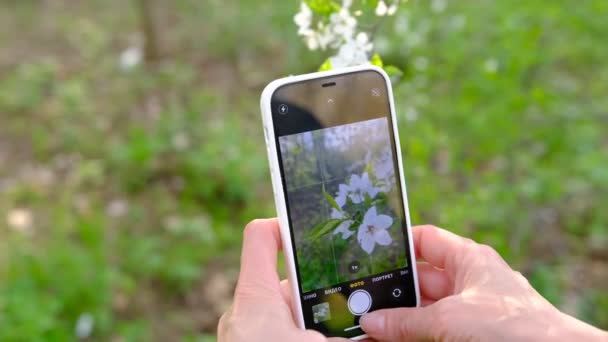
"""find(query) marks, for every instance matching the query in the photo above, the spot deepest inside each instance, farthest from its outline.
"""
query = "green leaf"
(377, 60)
(325, 66)
(323, 7)
(370, 4)
(323, 228)
(331, 200)
(393, 71)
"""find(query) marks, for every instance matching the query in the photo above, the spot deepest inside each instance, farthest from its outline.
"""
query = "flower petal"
(341, 200)
(343, 229)
(366, 240)
(356, 197)
(382, 237)
(373, 191)
(335, 214)
(343, 189)
(382, 222)
(369, 218)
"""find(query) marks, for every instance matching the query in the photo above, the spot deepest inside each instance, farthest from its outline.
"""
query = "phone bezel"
(277, 184)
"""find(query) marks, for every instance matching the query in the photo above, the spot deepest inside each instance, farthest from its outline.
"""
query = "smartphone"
(337, 178)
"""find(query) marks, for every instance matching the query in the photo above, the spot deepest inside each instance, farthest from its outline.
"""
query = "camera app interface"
(348, 223)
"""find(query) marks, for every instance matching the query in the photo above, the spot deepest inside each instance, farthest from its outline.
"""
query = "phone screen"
(344, 199)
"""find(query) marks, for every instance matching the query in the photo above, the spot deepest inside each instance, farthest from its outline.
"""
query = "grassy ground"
(125, 192)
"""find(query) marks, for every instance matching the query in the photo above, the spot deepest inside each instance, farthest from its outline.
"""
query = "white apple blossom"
(381, 8)
(343, 25)
(372, 231)
(353, 52)
(343, 229)
(359, 186)
(392, 9)
(303, 19)
(339, 32)
(130, 58)
(342, 194)
(336, 214)
(383, 167)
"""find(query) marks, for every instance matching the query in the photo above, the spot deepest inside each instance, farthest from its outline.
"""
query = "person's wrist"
(572, 329)
(550, 324)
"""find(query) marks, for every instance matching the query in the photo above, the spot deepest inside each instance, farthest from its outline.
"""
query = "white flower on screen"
(343, 229)
(336, 214)
(342, 194)
(359, 186)
(372, 230)
(384, 171)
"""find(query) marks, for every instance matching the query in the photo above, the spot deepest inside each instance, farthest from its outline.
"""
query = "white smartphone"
(338, 185)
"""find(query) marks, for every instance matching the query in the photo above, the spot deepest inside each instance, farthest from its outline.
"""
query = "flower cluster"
(360, 195)
(338, 31)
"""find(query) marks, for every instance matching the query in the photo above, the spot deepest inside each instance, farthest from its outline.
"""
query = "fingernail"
(372, 322)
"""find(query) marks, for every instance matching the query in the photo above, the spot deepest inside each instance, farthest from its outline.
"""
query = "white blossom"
(20, 220)
(392, 9)
(490, 66)
(343, 25)
(131, 57)
(303, 18)
(439, 6)
(353, 52)
(360, 186)
(372, 230)
(336, 214)
(342, 194)
(381, 8)
(343, 229)
(84, 326)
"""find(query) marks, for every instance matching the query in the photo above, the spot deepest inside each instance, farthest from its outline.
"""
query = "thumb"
(258, 277)
(401, 324)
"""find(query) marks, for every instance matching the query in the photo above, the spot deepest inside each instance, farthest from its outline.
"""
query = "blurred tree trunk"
(149, 30)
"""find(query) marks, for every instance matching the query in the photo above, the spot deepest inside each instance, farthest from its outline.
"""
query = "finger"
(424, 301)
(286, 291)
(403, 324)
(434, 283)
(439, 247)
(258, 276)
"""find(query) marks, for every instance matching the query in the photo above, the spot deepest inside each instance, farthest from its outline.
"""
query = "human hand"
(470, 293)
(261, 309)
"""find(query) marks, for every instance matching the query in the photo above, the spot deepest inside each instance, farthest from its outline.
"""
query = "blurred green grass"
(139, 182)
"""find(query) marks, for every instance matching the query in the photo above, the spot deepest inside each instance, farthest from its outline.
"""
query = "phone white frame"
(277, 184)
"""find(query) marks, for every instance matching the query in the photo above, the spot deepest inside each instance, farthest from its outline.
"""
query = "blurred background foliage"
(125, 184)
